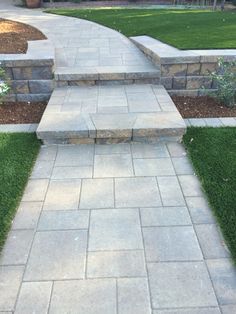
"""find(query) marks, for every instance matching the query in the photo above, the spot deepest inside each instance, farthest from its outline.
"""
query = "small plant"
(4, 87)
(225, 79)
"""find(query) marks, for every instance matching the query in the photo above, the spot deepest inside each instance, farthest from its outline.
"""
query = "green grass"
(184, 29)
(213, 153)
(18, 152)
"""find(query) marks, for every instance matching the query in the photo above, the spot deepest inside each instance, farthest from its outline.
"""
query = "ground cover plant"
(184, 29)
(213, 153)
(18, 152)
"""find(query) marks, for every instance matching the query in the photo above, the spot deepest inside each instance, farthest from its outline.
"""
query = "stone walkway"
(121, 228)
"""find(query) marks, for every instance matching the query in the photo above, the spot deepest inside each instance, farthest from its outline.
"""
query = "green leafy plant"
(225, 80)
(4, 87)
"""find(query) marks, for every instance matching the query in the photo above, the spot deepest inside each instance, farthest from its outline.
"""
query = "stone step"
(110, 114)
(106, 75)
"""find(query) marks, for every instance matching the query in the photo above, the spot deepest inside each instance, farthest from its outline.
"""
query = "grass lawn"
(184, 29)
(213, 153)
(18, 152)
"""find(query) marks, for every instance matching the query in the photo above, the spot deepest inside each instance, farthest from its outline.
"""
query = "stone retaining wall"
(183, 72)
(30, 75)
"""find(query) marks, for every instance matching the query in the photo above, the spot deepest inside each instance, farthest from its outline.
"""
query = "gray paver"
(47, 153)
(199, 210)
(34, 298)
(190, 185)
(59, 220)
(115, 230)
(119, 165)
(27, 215)
(206, 310)
(42, 169)
(62, 173)
(75, 155)
(116, 264)
(84, 296)
(228, 309)
(176, 149)
(97, 193)
(10, 279)
(179, 285)
(133, 296)
(62, 195)
(223, 275)
(153, 167)
(171, 244)
(112, 149)
(149, 151)
(57, 255)
(165, 216)
(182, 165)
(35, 190)
(211, 241)
(170, 190)
(17, 246)
(136, 192)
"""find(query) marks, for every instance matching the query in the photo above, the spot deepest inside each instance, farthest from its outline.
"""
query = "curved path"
(84, 47)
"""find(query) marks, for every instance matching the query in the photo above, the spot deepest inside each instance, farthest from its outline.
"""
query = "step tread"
(110, 112)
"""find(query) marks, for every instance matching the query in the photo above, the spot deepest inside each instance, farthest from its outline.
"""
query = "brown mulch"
(14, 36)
(202, 107)
(21, 112)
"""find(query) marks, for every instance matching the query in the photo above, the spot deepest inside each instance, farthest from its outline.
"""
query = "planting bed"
(21, 112)
(202, 107)
(14, 36)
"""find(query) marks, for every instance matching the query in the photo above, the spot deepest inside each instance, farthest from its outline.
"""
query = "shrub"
(225, 79)
(4, 87)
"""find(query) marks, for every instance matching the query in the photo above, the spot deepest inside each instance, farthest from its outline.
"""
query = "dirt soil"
(14, 36)
(202, 107)
(22, 112)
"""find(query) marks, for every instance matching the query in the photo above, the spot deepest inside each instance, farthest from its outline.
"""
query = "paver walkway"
(120, 228)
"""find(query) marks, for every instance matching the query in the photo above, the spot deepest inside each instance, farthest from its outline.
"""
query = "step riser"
(62, 83)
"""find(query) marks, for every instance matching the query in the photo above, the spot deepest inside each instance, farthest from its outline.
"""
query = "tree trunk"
(222, 6)
(214, 5)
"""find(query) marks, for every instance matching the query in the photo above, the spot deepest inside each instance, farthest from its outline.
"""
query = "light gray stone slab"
(165, 216)
(223, 275)
(116, 264)
(75, 155)
(42, 169)
(97, 193)
(149, 150)
(180, 285)
(35, 190)
(47, 153)
(211, 241)
(34, 298)
(153, 167)
(27, 215)
(215, 122)
(115, 230)
(205, 310)
(63, 220)
(176, 149)
(62, 195)
(62, 173)
(10, 280)
(228, 309)
(16, 248)
(119, 165)
(57, 255)
(199, 210)
(182, 165)
(228, 121)
(171, 244)
(170, 190)
(112, 149)
(133, 296)
(84, 296)
(136, 192)
(190, 185)
(197, 122)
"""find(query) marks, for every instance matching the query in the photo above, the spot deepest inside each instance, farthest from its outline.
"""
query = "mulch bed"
(202, 107)
(22, 112)
(14, 36)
